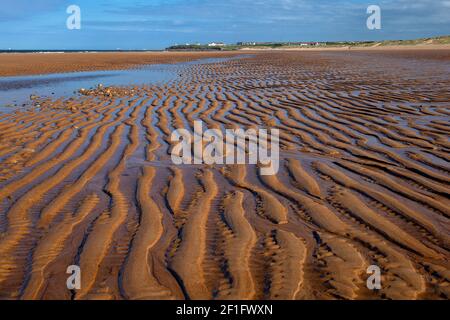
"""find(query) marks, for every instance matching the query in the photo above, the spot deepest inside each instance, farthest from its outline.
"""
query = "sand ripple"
(364, 179)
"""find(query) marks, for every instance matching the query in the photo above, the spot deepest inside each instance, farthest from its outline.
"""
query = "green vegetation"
(193, 47)
(291, 45)
(423, 41)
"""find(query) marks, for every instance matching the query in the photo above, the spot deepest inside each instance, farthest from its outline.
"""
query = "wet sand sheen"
(363, 180)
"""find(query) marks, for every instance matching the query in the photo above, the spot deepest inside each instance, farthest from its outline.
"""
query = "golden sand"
(364, 180)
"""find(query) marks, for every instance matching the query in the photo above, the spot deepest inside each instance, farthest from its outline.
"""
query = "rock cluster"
(100, 90)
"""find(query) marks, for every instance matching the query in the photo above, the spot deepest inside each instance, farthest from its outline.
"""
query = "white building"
(216, 44)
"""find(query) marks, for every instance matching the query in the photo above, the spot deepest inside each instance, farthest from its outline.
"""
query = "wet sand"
(19, 64)
(364, 180)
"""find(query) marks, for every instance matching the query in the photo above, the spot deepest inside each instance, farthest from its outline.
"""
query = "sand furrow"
(52, 244)
(434, 227)
(139, 280)
(268, 205)
(189, 257)
(238, 249)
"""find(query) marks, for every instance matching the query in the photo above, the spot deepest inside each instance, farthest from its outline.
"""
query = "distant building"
(306, 44)
(216, 44)
(246, 43)
(301, 44)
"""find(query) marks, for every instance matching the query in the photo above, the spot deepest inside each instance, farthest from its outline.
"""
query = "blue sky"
(154, 24)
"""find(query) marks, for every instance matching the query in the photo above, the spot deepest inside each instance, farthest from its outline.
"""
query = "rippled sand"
(364, 180)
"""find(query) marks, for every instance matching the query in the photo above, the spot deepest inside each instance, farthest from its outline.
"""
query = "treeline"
(193, 47)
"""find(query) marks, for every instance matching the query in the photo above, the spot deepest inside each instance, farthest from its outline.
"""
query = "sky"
(156, 24)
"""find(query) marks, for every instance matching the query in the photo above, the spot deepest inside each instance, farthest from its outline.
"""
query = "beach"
(17, 64)
(87, 179)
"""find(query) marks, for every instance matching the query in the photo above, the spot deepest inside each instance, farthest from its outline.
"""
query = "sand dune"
(363, 180)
